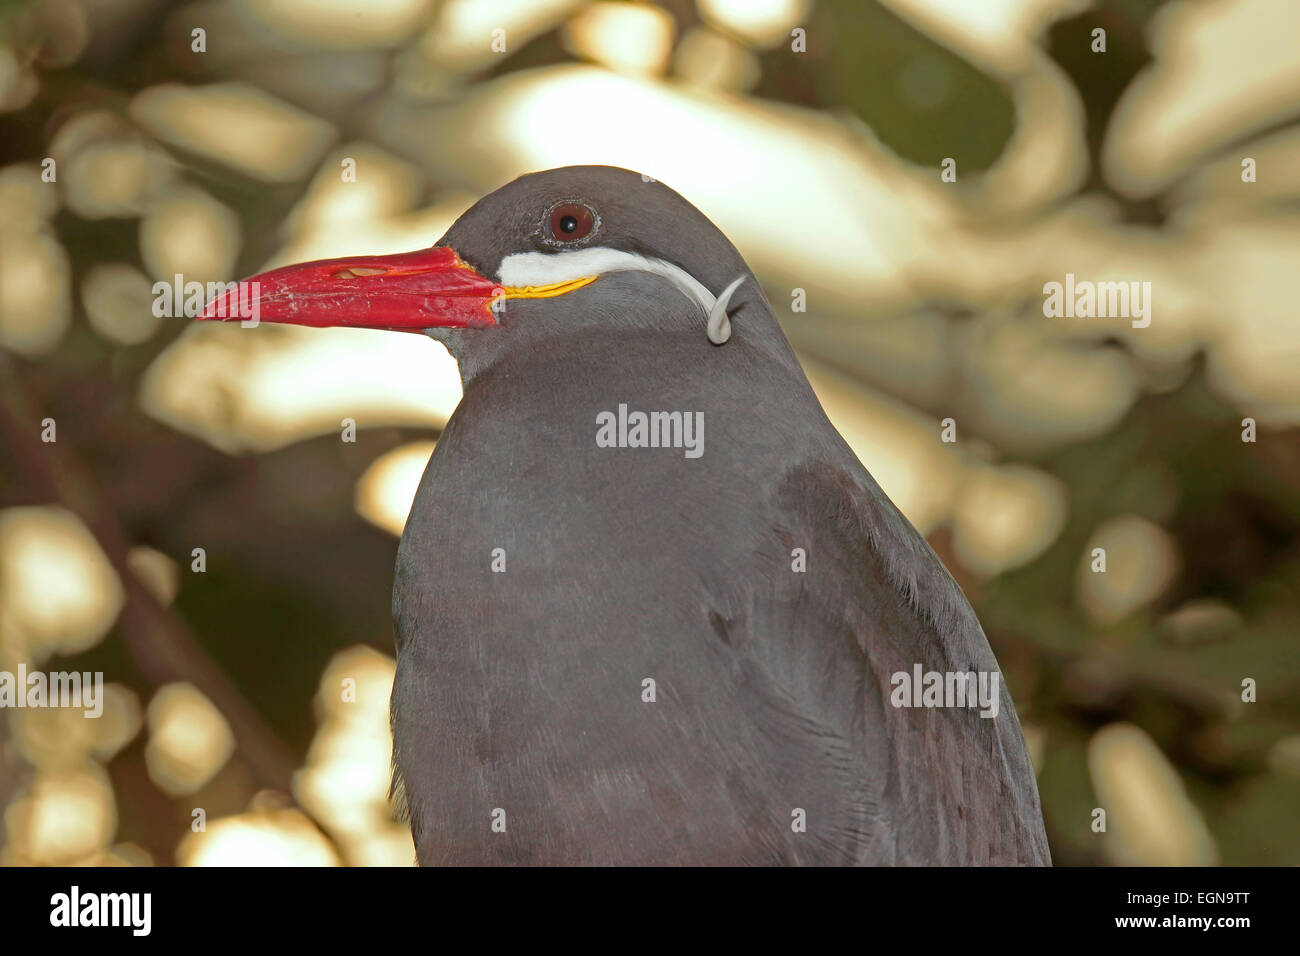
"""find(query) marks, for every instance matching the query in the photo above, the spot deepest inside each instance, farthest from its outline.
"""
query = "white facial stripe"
(545, 268)
(719, 326)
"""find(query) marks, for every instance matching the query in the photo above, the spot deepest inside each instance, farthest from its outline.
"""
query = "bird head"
(538, 243)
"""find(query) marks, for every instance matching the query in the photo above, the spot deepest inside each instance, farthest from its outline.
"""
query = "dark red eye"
(570, 221)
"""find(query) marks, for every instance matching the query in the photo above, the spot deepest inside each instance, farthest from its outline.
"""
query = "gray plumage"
(522, 691)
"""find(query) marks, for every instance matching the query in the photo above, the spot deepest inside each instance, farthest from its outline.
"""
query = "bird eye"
(570, 221)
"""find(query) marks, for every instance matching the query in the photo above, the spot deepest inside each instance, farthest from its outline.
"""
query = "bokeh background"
(229, 686)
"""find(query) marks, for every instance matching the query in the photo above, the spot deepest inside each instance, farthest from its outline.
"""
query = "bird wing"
(818, 648)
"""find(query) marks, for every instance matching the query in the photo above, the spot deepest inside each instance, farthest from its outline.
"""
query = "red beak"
(409, 291)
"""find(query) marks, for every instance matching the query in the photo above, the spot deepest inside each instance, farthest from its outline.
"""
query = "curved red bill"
(409, 291)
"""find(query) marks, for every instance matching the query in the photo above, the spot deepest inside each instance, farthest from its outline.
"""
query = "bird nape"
(649, 607)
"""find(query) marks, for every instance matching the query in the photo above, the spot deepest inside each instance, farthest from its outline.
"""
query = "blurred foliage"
(295, 576)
